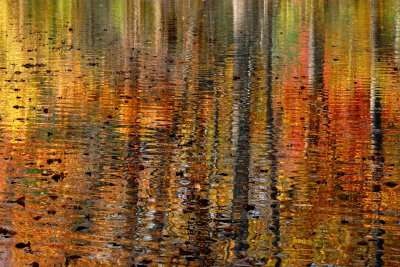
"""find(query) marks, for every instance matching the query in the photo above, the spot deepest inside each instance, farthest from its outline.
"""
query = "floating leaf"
(21, 201)
(391, 184)
(28, 65)
(23, 245)
(50, 161)
(362, 243)
(52, 212)
(58, 177)
(81, 228)
(180, 173)
(6, 232)
(71, 258)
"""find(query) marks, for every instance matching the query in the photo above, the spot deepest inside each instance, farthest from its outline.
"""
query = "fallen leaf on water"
(204, 202)
(45, 172)
(23, 245)
(21, 201)
(52, 212)
(50, 161)
(391, 184)
(344, 221)
(231, 228)
(147, 261)
(81, 228)
(58, 177)
(362, 243)
(71, 258)
(6, 232)
(340, 173)
(188, 210)
(179, 173)
(53, 197)
(28, 65)
(249, 207)
(184, 251)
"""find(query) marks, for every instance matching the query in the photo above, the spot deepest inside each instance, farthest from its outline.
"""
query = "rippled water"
(200, 133)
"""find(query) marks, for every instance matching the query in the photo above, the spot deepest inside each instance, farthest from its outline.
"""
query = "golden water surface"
(200, 133)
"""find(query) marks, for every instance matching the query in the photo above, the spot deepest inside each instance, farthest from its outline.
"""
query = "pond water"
(200, 133)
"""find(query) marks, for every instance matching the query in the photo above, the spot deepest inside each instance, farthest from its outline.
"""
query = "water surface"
(200, 133)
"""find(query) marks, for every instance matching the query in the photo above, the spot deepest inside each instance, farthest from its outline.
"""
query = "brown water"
(200, 133)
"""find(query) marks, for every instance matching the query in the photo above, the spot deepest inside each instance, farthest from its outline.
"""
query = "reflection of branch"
(376, 136)
(242, 163)
(271, 133)
(316, 73)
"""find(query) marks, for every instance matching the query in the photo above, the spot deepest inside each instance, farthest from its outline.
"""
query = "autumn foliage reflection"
(189, 133)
